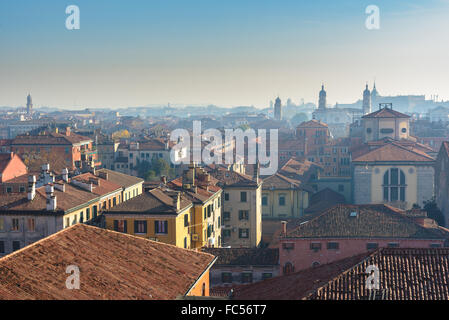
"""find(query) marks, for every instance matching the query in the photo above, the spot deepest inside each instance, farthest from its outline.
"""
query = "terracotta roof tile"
(386, 113)
(394, 152)
(404, 274)
(112, 265)
(155, 201)
(244, 256)
(294, 286)
(371, 221)
(124, 180)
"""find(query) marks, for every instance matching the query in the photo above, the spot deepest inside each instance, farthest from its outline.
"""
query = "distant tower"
(366, 107)
(29, 105)
(374, 95)
(278, 109)
(322, 100)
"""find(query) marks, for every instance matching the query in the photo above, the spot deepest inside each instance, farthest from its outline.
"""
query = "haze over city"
(228, 53)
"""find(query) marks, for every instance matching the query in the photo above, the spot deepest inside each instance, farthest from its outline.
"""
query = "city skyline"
(226, 54)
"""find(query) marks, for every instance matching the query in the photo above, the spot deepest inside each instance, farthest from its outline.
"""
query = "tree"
(156, 168)
(433, 211)
(121, 134)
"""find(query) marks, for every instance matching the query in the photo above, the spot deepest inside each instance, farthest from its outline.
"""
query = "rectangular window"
(15, 225)
(87, 214)
(140, 226)
(161, 227)
(267, 275)
(1, 224)
(185, 242)
(30, 225)
(243, 214)
(21, 189)
(209, 210)
(120, 226)
(226, 277)
(15, 245)
(8, 189)
(282, 200)
(435, 245)
(247, 277)
(288, 245)
(2, 247)
(226, 196)
(186, 220)
(264, 200)
(244, 233)
(372, 246)
(393, 245)
(315, 246)
(226, 216)
(226, 233)
(243, 196)
(333, 245)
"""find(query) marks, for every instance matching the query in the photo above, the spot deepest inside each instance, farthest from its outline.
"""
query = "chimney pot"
(284, 228)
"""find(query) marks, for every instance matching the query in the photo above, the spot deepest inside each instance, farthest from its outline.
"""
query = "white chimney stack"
(51, 198)
(31, 187)
(65, 175)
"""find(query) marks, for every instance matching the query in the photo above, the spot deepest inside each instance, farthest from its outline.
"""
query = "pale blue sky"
(228, 52)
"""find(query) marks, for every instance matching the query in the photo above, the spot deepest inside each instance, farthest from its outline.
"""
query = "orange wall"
(198, 288)
(15, 168)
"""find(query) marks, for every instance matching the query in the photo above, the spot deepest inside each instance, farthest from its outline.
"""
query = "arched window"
(394, 185)
(289, 268)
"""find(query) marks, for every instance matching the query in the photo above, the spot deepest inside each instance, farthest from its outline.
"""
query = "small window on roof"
(353, 214)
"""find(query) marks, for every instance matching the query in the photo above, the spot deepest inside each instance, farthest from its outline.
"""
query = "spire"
(366, 106)
(322, 98)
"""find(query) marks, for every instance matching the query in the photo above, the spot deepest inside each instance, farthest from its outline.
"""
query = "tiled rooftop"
(112, 266)
(244, 256)
(156, 201)
(294, 286)
(386, 113)
(50, 139)
(404, 274)
(393, 152)
(124, 180)
(370, 221)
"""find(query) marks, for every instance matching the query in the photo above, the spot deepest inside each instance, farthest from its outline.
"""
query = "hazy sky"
(225, 52)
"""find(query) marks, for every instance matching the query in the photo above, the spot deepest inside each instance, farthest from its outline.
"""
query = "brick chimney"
(284, 228)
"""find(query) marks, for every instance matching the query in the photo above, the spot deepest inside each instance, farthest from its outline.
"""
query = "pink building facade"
(298, 254)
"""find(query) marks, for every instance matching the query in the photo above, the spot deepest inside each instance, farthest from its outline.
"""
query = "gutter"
(201, 275)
